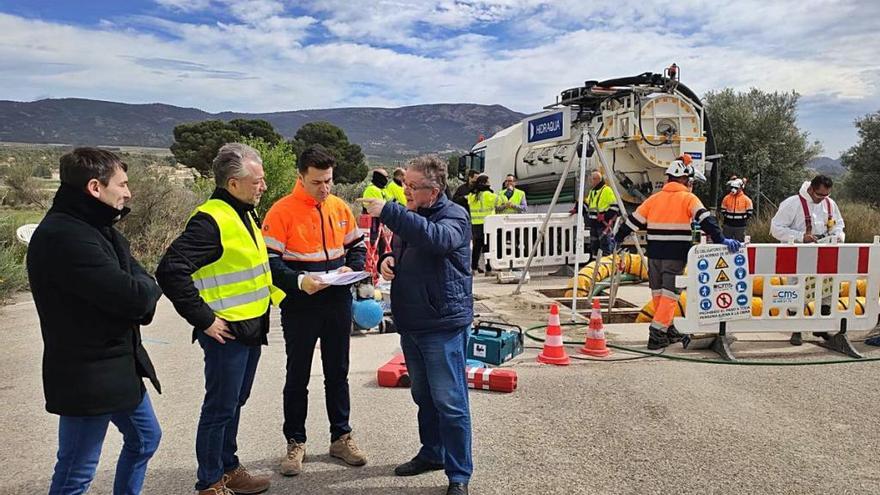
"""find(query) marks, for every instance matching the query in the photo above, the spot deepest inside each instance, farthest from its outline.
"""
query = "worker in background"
(600, 209)
(809, 216)
(395, 187)
(462, 191)
(667, 216)
(481, 203)
(309, 232)
(510, 199)
(377, 189)
(736, 209)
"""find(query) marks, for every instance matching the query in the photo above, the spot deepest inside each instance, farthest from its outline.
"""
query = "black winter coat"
(92, 297)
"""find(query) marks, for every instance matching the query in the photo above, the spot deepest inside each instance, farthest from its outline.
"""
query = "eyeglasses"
(412, 187)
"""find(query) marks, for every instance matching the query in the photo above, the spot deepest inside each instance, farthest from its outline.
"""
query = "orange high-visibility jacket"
(736, 209)
(667, 216)
(303, 236)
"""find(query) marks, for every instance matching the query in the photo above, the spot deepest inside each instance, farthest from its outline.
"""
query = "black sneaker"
(657, 339)
(796, 339)
(418, 466)
(457, 489)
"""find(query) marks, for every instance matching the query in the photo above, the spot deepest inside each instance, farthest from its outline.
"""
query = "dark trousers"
(80, 439)
(479, 245)
(229, 376)
(302, 330)
(436, 365)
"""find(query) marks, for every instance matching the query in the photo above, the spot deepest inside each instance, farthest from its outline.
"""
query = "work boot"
(292, 464)
(657, 339)
(457, 489)
(344, 448)
(796, 339)
(674, 335)
(417, 466)
(218, 488)
(241, 482)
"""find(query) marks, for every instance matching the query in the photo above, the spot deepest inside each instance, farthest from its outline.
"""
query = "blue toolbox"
(494, 342)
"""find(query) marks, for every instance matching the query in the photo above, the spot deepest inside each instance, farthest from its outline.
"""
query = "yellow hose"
(630, 263)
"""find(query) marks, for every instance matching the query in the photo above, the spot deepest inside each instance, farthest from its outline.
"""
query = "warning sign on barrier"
(724, 283)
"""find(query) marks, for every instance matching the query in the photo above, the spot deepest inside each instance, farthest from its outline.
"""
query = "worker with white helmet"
(736, 209)
(667, 216)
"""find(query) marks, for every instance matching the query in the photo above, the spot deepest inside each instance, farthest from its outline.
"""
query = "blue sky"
(273, 55)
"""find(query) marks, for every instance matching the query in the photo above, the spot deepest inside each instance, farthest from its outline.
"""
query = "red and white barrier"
(827, 265)
(809, 259)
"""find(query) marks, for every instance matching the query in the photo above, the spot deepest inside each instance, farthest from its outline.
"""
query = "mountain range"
(383, 133)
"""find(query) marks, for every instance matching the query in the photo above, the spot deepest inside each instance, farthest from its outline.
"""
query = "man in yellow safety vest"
(217, 275)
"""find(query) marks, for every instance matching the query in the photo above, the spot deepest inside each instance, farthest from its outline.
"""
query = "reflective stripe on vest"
(238, 286)
(481, 206)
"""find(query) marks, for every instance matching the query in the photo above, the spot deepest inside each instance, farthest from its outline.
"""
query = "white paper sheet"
(336, 278)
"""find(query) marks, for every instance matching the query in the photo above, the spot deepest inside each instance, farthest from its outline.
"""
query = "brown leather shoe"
(241, 482)
(344, 448)
(292, 463)
(218, 488)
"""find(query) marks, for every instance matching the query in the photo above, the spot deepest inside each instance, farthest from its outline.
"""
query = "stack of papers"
(336, 278)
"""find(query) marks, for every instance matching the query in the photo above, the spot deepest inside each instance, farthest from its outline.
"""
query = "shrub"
(279, 166)
(160, 208)
(23, 188)
(13, 275)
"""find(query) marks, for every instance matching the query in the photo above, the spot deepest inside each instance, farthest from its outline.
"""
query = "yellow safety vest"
(238, 286)
(373, 191)
(396, 192)
(481, 206)
(516, 198)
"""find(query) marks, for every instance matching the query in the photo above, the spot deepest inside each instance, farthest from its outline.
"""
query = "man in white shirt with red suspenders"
(807, 217)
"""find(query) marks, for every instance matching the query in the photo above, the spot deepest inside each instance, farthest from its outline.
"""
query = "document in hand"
(336, 278)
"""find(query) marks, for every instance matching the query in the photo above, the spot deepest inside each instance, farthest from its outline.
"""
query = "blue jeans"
(435, 362)
(229, 376)
(80, 439)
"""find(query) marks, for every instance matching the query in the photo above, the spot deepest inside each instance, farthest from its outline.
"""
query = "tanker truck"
(641, 123)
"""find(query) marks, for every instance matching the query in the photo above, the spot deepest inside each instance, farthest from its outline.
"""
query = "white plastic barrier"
(784, 307)
(510, 238)
(25, 232)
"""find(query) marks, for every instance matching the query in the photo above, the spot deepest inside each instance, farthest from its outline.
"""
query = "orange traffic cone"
(554, 352)
(595, 344)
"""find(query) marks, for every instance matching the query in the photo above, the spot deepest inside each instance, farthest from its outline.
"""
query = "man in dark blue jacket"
(432, 303)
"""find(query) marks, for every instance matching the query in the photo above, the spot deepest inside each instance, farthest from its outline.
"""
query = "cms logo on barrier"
(783, 296)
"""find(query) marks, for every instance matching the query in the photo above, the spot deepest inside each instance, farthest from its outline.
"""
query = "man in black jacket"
(92, 297)
(217, 275)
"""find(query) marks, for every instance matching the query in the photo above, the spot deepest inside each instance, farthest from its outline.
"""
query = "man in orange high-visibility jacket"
(309, 232)
(736, 209)
(667, 215)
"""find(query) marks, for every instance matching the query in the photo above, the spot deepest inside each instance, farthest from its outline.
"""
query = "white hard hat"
(677, 168)
(735, 183)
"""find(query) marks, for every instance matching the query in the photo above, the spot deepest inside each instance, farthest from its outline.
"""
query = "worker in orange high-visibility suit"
(736, 209)
(667, 215)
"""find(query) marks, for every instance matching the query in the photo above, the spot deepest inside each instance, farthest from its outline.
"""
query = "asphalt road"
(644, 426)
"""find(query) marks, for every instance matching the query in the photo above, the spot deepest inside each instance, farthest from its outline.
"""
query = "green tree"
(757, 133)
(256, 128)
(196, 144)
(351, 166)
(279, 166)
(863, 162)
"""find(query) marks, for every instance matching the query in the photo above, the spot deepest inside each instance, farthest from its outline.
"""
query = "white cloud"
(263, 57)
